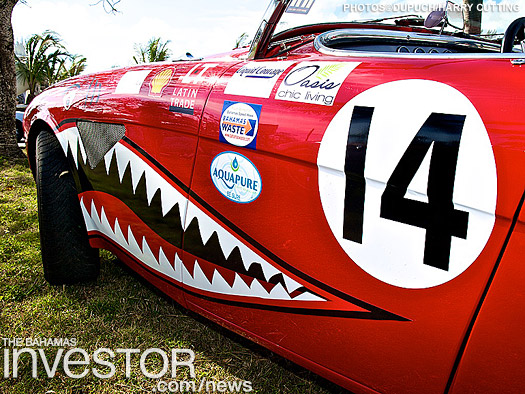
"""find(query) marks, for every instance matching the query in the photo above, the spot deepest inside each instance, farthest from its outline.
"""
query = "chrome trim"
(266, 28)
(321, 41)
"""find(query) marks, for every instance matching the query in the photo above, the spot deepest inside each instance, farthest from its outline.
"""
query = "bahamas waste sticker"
(314, 82)
(256, 79)
(236, 177)
(240, 123)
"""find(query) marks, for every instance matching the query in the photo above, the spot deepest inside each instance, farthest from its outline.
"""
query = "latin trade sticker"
(314, 82)
(187, 88)
(408, 183)
(236, 177)
(183, 99)
(239, 124)
(256, 79)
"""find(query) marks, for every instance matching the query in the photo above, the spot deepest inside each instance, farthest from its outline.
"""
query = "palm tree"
(43, 52)
(472, 16)
(8, 145)
(77, 66)
(154, 51)
(46, 62)
(53, 66)
(241, 40)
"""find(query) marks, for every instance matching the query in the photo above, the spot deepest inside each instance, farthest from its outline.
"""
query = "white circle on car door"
(408, 185)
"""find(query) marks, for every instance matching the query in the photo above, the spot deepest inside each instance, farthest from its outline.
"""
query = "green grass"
(120, 310)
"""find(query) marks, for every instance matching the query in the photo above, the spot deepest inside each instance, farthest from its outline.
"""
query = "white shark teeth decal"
(71, 138)
(228, 242)
(170, 196)
(141, 250)
(219, 285)
(291, 284)
(125, 157)
(90, 225)
(142, 253)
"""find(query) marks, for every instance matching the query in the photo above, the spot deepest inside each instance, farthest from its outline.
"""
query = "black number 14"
(441, 133)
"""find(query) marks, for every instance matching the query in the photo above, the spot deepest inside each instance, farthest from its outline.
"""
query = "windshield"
(496, 15)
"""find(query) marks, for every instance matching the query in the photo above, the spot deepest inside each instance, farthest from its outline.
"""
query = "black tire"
(66, 254)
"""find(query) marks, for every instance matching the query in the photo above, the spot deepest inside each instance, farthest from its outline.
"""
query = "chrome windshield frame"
(321, 41)
(275, 10)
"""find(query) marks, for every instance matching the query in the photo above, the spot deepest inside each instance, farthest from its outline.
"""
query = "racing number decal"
(409, 189)
(438, 216)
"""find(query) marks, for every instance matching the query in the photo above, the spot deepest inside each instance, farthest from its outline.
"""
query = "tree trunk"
(8, 145)
(472, 16)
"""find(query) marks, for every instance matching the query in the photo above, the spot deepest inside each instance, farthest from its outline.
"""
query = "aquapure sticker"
(236, 177)
(240, 123)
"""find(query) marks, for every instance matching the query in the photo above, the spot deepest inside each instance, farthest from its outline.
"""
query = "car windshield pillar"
(272, 15)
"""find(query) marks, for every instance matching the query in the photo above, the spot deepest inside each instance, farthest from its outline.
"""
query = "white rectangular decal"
(314, 82)
(300, 6)
(256, 79)
(131, 82)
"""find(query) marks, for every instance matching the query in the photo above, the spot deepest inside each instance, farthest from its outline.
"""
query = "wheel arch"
(37, 127)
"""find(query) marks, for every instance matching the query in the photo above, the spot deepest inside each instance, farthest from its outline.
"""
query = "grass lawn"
(119, 311)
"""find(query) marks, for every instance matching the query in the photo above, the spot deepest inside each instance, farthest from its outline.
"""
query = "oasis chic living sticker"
(314, 82)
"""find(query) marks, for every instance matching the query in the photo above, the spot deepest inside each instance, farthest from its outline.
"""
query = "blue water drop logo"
(235, 165)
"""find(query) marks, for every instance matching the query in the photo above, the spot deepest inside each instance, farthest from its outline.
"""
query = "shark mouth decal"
(148, 214)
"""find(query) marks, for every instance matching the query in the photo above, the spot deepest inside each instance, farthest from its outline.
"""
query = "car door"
(317, 204)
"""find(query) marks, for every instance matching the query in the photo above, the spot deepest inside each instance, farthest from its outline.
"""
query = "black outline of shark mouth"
(227, 261)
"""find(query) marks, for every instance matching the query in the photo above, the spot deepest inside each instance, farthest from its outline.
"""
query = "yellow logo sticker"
(160, 81)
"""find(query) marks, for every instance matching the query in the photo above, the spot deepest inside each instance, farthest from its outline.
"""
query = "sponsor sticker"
(300, 6)
(94, 91)
(69, 98)
(183, 99)
(314, 82)
(408, 183)
(160, 81)
(256, 79)
(240, 123)
(197, 74)
(236, 177)
(131, 82)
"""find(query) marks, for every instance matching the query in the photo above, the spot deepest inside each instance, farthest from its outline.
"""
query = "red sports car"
(348, 191)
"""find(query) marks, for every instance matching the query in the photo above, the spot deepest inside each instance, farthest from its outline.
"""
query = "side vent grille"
(99, 138)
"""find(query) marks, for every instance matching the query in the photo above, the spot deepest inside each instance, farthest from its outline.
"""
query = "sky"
(202, 27)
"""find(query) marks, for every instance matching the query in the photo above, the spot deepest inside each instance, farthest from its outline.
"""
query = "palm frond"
(153, 51)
